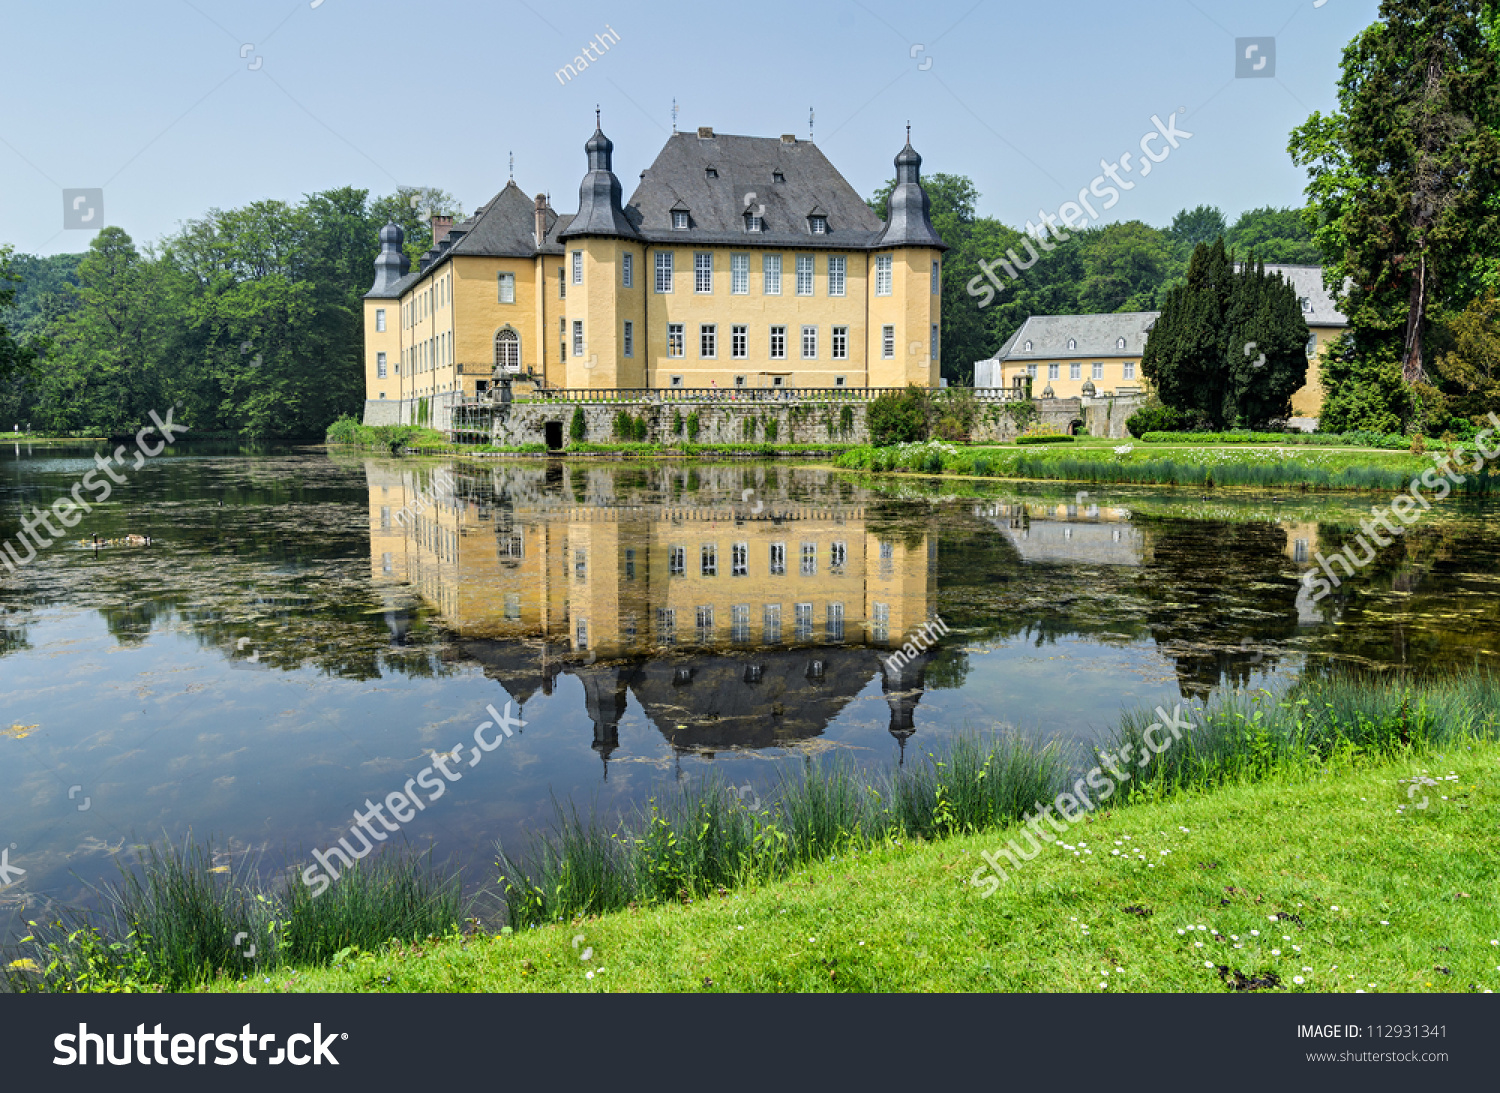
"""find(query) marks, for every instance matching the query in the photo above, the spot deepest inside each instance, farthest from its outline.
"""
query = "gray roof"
(908, 222)
(1096, 335)
(554, 235)
(504, 227)
(745, 168)
(396, 290)
(599, 211)
(1308, 281)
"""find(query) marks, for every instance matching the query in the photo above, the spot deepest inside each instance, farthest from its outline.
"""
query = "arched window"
(1120, 343)
(1072, 343)
(507, 351)
(1028, 347)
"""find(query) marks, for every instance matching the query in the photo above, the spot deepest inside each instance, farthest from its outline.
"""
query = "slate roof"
(1308, 281)
(505, 226)
(394, 290)
(745, 168)
(1097, 336)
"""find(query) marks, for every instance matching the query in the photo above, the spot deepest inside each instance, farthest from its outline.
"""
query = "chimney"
(440, 226)
(706, 132)
(541, 220)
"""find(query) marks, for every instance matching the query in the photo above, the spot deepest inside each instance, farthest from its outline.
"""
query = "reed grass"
(705, 838)
(176, 920)
(1314, 726)
(172, 922)
(392, 896)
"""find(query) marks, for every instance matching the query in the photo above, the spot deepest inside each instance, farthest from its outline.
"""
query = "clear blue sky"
(152, 101)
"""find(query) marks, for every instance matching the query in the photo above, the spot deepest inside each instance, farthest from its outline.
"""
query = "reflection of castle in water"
(750, 618)
(1069, 533)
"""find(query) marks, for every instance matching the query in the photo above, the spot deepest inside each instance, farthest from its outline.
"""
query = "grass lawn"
(1207, 466)
(1331, 880)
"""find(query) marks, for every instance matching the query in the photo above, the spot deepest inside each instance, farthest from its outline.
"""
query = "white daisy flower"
(1298, 980)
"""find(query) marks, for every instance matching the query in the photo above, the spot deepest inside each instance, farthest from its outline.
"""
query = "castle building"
(1086, 355)
(739, 262)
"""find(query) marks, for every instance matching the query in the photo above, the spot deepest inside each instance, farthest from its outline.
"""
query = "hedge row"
(1390, 441)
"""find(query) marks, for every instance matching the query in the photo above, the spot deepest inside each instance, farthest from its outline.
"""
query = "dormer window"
(1072, 343)
(713, 172)
(819, 224)
(1120, 344)
(1028, 347)
(679, 220)
(1306, 304)
(777, 176)
(754, 223)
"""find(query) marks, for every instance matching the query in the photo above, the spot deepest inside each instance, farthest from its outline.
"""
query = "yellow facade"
(448, 323)
(1105, 373)
(382, 349)
(581, 323)
(1308, 400)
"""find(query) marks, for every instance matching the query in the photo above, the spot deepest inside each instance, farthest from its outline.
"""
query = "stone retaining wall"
(718, 422)
(383, 411)
(723, 421)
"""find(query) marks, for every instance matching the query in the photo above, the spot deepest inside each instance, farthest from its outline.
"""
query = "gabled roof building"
(738, 262)
(1073, 356)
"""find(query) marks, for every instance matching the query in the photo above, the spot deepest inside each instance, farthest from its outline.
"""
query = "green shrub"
(1155, 419)
(676, 421)
(692, 427)
(898, 417)
(577, 427)
(345, 430)
(1389, 441)
(846, 421)
(773, 429)
(1045, 438)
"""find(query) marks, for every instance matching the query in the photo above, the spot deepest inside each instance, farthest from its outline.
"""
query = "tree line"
(250, 319)
(1125, 266)
(247, 320)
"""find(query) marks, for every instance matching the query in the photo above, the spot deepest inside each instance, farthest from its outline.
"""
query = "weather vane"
(674, 113)
(809, 124)
(512, 166)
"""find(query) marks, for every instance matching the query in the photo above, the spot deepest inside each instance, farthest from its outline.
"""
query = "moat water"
(306, 629)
